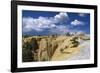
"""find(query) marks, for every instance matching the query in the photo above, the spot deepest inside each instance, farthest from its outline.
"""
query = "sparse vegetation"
(25, 36)
(67, 34)
(75, 42)
(42, 48)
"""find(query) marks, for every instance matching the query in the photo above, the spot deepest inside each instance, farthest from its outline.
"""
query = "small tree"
(67, 34)
(75, 42)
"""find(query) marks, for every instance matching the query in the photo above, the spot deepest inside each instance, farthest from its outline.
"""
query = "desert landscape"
(55, 36)
(55, 47)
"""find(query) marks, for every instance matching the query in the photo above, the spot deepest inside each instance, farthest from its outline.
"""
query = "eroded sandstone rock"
(44, 48)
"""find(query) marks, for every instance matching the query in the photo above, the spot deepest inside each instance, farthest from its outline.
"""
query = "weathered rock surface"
(49, 48)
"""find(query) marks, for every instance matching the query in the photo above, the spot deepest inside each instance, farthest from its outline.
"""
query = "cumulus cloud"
(41, 23)
(29, 24)
(60, 17)
(77, 22)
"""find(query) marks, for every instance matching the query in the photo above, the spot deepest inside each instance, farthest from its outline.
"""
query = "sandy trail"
(84, 51)
(76, 53)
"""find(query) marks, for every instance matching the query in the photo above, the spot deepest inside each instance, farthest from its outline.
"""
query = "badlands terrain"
(55, 48)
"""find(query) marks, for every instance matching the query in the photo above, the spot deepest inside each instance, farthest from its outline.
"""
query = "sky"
(47, 23)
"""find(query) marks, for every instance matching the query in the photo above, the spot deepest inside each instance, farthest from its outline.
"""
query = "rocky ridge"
(50, 48)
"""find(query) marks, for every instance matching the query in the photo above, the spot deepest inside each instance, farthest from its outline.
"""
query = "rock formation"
(48, 48)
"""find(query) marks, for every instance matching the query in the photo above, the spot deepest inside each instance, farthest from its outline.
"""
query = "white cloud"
(41, 23)
(81, 14)
(77, 22)
(61, 29)
(80, 32)
(60, 17)
(30, 24)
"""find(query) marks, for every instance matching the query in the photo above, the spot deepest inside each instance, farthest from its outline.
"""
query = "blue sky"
(46, 23)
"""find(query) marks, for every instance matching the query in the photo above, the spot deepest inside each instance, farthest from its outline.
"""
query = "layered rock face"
(47, 48)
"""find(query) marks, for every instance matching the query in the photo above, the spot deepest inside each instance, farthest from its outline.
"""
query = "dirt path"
(80, 52)
(84, 52)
